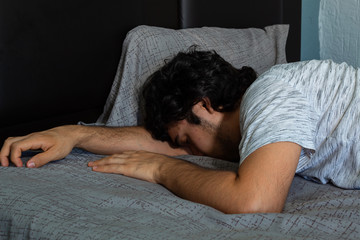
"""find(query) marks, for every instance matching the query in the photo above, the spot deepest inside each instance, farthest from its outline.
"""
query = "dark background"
(58, 58)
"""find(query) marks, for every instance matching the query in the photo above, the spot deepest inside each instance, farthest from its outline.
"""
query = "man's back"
(314, 104)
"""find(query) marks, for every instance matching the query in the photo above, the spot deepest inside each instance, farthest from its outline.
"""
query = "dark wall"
(242, 14)
(58, 58)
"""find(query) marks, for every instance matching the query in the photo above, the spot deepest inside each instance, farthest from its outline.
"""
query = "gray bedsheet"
(66, 200)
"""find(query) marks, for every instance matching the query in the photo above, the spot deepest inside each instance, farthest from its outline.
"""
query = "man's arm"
(260, 185)
(111, 140)
(58, 142)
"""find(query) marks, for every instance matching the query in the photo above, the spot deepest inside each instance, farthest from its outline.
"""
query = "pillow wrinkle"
(146, 48)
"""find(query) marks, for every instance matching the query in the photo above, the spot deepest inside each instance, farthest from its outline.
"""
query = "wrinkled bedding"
(66, 200)
(146, 48)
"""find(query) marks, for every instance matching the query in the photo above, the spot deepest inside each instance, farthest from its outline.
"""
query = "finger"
(114, 159)
(4, 161)
(6, 149)
(20, 146)
(111, 168)
(128, 170)
(43, 158)
(129, 152)
(4, 154)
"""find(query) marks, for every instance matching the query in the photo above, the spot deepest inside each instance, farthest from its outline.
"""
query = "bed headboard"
(243, 14)
(58, 58)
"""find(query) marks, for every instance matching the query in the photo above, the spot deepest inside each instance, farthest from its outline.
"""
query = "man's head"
(194, 78)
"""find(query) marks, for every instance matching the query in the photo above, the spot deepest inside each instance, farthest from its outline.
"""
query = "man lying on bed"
(296, 118)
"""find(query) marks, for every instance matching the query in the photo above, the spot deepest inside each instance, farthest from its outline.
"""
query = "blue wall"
(310, 45)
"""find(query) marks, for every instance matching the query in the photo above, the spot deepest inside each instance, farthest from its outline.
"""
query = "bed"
(66, 200)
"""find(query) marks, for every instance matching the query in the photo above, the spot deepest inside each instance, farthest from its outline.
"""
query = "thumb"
(41, 159)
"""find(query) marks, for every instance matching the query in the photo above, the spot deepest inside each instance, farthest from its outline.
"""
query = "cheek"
(202, 144)
(195, 151)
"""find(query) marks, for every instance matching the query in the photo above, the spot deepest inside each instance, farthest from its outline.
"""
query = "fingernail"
(94, 168)
(31, 164)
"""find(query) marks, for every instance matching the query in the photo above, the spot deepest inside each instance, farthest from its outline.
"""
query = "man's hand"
(137, 164)
(56, 144)
(260, 185)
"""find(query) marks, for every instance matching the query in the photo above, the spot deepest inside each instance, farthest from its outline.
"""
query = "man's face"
(206, 138)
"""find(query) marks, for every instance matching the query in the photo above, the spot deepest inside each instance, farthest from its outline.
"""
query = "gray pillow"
(146, 48)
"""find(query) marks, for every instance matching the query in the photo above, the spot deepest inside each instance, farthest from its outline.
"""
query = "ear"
(204, 105)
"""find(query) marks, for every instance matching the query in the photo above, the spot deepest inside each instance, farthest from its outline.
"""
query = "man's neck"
(232, 121)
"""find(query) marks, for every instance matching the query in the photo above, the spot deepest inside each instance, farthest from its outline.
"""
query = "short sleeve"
(274, 111)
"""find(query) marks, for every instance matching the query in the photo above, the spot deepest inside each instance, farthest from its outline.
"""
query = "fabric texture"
(66, 200)
(145, 49)
(315, 104)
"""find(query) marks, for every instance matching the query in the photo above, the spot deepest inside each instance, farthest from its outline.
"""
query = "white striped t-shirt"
(315, 104)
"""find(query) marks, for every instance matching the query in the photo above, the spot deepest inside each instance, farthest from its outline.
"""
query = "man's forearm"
(218, 189)
(111, 140)
(261, 183)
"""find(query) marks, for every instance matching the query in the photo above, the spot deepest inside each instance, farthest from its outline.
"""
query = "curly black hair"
(170, 93)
